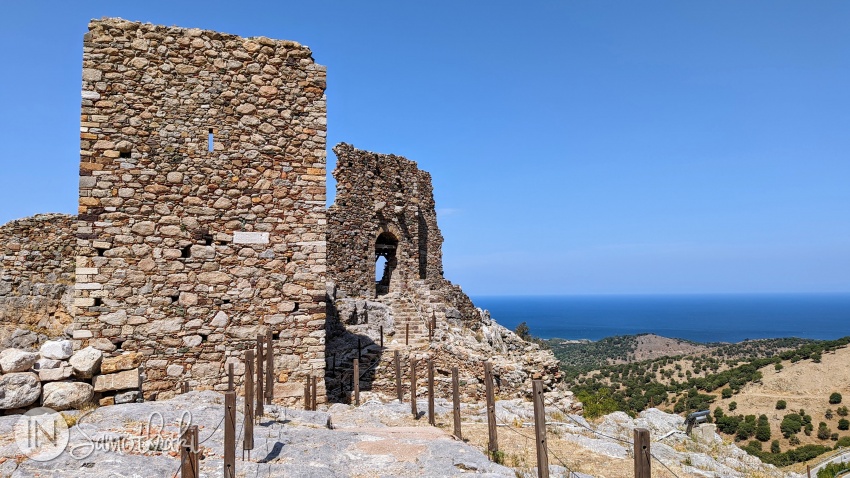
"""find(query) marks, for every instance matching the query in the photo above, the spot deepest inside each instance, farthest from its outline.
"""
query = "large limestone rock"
(67, 395)
(127, 361)
(86, 362)
(16, 360)
(128, 379)
(19, 390)
(55, 374)
(57, 349)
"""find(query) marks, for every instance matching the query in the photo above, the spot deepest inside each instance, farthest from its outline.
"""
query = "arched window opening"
(385, 248)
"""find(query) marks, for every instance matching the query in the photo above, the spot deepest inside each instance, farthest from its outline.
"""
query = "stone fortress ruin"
(202, 223)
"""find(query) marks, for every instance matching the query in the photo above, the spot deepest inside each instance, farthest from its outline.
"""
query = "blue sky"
(577, 147)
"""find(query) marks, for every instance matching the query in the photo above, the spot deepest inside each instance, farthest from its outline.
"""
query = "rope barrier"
(534, 439)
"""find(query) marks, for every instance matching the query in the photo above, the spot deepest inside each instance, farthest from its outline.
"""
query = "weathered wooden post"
(399, 393)
(269, 368)
(258, 407)
(230, 377)
(456, 403)
(431, 420)
(248, 420)
(642, 454)
(230, 433)
(382, 337)
(493, 445)
(359, 349)
(190, 466)
(540, 429)
(413, 409)
(307, 400)
(313, 395)
(809, 471)
(406, 334)
(355, 379)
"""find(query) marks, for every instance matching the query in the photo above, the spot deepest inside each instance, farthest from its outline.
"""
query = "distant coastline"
(703, 318)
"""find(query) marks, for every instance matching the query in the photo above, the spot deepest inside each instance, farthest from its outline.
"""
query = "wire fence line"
(628, 442)
(534, 439)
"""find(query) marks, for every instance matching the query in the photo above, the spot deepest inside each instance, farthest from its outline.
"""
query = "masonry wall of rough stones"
(381, 193)
(36, 276)
(187, 250)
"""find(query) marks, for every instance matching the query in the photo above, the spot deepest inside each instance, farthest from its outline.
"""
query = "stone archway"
(386, 246)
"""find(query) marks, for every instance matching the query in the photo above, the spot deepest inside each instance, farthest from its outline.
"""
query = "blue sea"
(700, 318)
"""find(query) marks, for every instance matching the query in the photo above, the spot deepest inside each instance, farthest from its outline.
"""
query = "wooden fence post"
(258, 407)
(431, 420)
(307, 400)
(382, 337)
(493, 444)
(248, 420)
(230, 433)
(406, 334)
(189, 453)
(642, 454)
(540, 429)
(269, 368)
(230, 378)
(315, 402)
(356, 382)
(413, 409)
(398, 391)
(456, 403)
(809, 471)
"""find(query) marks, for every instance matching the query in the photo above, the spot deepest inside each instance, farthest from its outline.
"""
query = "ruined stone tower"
(202, 201)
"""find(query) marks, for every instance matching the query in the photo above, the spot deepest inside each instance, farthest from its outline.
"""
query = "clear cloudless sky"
(577, 147)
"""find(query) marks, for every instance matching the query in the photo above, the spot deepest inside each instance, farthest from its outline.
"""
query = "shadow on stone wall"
(341, 349)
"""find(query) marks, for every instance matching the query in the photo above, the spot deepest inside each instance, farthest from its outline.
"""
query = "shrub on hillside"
(763, 429)
(844, 424)
(835, 398)
(823, 431)
(780, 404)
(791, 424)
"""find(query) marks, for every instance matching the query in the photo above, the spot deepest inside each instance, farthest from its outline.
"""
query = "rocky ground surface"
(373, 440)
(287, 442)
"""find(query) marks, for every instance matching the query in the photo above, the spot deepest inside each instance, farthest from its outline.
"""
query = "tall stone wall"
(187, 249)
(36, 278)
(381, 194)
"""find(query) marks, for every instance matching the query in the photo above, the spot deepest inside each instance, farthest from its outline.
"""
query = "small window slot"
(186, 252)
(124, 154)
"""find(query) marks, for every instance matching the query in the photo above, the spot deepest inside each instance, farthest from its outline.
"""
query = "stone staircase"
(408, 319)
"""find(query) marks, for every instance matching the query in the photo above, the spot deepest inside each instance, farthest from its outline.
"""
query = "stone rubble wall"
(56, 377)
(36, 279)
(185, 254)
(381, 193)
